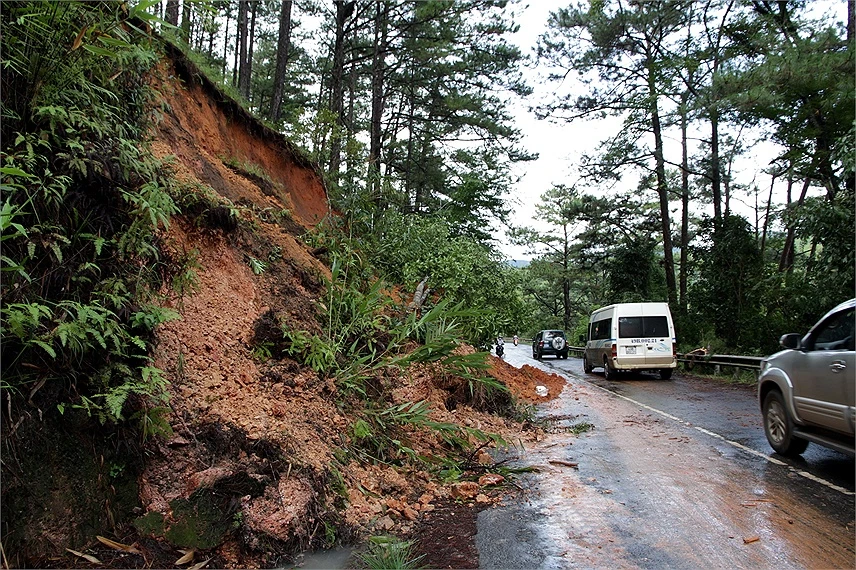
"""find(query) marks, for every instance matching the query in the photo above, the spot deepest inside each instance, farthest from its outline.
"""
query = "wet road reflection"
(729, 411)
(673, 474)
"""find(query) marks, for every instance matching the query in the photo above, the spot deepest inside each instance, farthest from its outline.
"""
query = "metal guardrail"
(748, 362)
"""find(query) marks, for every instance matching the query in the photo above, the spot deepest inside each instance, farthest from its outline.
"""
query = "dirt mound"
(217, 143)
(524, 382)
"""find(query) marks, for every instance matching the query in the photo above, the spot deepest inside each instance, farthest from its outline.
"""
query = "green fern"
(83, 199)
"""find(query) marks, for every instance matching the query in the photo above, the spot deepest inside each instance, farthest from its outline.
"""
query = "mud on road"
(642, 490)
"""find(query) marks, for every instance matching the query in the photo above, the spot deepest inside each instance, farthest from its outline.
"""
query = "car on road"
(807, 392)
(549, 342)
(631, 337)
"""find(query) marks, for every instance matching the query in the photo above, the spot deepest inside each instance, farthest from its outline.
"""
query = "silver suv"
(807, 392)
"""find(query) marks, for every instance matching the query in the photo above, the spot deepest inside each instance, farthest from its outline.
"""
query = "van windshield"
(637, 327)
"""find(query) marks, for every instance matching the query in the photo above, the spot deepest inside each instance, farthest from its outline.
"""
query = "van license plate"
(630, 350)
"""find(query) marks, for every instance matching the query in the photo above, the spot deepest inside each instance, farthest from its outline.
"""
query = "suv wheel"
(587, 368)
(779, 427)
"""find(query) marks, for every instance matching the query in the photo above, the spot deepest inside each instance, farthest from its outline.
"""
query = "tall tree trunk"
(337, 89)
(408, 163)
(240, 42)
(766, 224)
(211, 34)
(185, 21)
(319, 133)
(662, 186)
(713, 115)
(243, 25)
(172, 12)
(851, 21)
(788, 252)
(566, 283)
(226, 40)
(251, 40)
(685, 205)
(350, 113)
(715, 178)
(378, 71)
(282, 47)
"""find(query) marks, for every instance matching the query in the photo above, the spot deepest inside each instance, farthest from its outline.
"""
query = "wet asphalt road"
(673, 474)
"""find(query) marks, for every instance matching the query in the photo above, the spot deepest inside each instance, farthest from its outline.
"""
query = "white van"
(631, 336)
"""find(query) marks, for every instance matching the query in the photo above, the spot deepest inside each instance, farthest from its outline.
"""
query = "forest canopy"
(407, 109)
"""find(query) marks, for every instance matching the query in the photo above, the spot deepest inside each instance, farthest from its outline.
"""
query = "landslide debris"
(256, 467)
(258, 457)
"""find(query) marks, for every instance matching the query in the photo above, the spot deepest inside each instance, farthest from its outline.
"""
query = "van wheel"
(665, 373)
(608, 372)
(587, 368)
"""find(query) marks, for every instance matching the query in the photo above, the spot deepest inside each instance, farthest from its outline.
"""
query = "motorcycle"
(516, 340)
(500, 350)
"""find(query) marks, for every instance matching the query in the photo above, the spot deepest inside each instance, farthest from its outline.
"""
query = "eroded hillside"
(256, 463)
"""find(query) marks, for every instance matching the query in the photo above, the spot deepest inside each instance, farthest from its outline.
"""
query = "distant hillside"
(519, 263)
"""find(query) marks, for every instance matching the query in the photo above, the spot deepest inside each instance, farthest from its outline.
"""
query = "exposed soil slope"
(254, 469)
(206, 130)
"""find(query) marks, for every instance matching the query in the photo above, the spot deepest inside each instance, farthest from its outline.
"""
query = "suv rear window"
(638, 327)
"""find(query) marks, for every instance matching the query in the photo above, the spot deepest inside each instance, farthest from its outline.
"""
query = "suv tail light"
(540, 344)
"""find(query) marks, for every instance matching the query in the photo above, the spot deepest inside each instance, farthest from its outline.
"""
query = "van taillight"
(675, 349)
(615, 351)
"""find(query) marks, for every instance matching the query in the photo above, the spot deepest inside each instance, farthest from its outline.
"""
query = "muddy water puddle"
(334, 559)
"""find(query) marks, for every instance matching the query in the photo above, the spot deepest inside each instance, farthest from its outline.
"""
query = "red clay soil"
(207, 133)
(262, 435)
(522, 382)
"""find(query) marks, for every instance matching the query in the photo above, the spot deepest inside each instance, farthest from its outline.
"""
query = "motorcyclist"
(499, 348)
(516, 340)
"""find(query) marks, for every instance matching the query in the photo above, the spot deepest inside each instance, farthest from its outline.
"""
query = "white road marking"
(740, 446)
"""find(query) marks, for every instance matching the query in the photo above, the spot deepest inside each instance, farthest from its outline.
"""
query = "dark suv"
(807, 392)
(549, 342)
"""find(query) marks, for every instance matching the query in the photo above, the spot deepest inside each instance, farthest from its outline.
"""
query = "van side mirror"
(790, 340)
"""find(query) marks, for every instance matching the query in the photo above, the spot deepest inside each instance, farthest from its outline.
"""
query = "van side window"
(601, 329)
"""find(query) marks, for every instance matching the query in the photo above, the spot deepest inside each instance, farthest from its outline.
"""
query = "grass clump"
(389, 553)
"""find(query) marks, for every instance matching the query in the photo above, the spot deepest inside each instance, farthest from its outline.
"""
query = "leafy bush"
(84, 203)
(463, 270)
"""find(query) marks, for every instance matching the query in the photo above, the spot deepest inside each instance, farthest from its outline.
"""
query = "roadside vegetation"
(405, 111)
